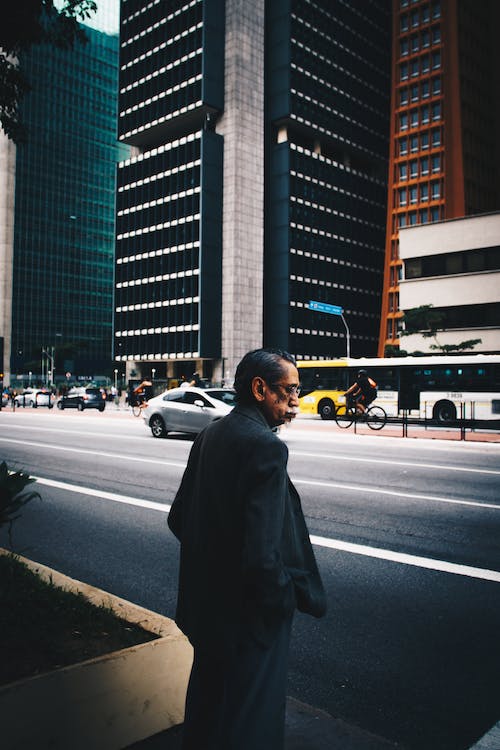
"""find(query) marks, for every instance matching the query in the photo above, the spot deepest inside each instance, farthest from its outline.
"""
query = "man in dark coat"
(246, 563)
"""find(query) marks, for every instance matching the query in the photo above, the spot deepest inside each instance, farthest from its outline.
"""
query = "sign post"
(333, 310)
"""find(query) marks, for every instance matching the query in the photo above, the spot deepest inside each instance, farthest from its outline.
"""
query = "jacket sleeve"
(268, 589)
(180, 505)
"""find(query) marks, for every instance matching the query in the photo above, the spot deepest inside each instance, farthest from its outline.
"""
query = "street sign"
(323, 307)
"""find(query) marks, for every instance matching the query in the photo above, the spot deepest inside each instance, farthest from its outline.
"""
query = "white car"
(34, 397)
(184, 410)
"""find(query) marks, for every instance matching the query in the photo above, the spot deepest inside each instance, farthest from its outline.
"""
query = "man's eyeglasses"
(290, 390)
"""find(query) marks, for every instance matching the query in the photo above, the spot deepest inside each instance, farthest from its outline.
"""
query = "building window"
(424, 140)
(413, 169)
(404, 47)
(415, 71)
(403, 72)
(436, 9)
(423, 216)
(414, 93)
(412, 218)
(424, 165)
(425, 115)
(436, 110)
(403, 146)
(414, 143)
(401, 220)
(435, 191)
(414, 118)
(413, 194)
(436, 138)
(426, 16)
(404, 23)
(424, 193)
(436, 60)
(426, 38)
(435, 213)
(415, 18)
(414, 43)
(436, 34)
(403, 122)
(436, 163)
(436, 86)
(403, 171)
(403, 97)
(426, 64)
(425, 90)
(402, 196)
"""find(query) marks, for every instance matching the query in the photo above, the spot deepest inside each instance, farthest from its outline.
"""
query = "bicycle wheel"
(376, 417)
(344, 416)
(136, 410)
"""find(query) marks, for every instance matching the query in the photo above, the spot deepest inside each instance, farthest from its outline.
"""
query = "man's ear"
(258, 388)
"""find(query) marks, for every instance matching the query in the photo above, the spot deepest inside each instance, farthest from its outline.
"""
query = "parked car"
(83, 398)
(183, 410)
(34, 397)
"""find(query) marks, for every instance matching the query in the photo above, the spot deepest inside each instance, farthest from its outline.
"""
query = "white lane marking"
(304, 454)
(338, 544)
(312, 483)
(404, 559)
(395, 493)
(126, 499)
(413, 465)
(98, 454)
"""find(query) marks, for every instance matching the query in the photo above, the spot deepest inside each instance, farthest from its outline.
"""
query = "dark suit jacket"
(246, 560)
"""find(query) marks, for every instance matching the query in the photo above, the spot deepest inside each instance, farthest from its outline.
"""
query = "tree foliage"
(26, 23)
(13, 495)
(426, 321)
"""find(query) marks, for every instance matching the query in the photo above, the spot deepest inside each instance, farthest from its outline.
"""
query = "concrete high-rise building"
(58, 210)
(445, 119)
(257, 181)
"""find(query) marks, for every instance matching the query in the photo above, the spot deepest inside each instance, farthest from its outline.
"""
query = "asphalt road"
(407, 538)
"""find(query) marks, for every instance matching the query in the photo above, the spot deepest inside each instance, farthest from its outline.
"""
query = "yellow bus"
(441, 387)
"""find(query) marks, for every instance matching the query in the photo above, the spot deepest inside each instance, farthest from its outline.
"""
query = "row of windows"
(161, 346)
(152, 238)
(171, 265)
(420, 116)
(421, 142)
(422, 216)
(470, 261)
(417, 42)
(418, 91)
(467, 316)
(419, 193)
(420, 66)
(416, 168)
(419, 16)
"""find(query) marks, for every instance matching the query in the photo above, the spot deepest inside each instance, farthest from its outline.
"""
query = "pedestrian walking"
(246, 563)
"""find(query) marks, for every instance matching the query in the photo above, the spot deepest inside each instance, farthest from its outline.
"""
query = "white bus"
(443, 388)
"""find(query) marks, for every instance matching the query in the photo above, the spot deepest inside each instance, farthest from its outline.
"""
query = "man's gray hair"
(263, 363)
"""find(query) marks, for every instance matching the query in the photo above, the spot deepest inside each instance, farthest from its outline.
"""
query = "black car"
(83, 398)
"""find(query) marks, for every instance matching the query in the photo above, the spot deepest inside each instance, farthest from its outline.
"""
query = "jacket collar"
(251, 412)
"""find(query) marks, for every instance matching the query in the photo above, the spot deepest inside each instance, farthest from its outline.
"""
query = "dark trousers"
(236, 696)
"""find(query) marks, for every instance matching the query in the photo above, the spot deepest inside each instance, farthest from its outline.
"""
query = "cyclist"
(141, 393)
(362, 392)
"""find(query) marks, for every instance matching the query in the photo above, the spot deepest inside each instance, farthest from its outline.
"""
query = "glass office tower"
(257, 181)
(65, 209)
(444, 154)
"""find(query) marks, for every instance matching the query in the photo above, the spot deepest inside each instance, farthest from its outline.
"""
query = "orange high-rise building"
(445, 126)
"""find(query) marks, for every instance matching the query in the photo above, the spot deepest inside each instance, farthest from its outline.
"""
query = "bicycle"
(374, 416)
(138, 405)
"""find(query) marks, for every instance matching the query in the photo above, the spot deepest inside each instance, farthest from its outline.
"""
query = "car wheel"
(158, 428)
(101, 408)
(80, 406)
(60, 405)
(326, 409)
(33, 404)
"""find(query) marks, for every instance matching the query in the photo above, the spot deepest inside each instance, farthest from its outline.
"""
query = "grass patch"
(43, 627)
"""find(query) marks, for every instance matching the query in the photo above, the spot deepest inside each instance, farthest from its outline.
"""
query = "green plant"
(427, 321)
(13, 495)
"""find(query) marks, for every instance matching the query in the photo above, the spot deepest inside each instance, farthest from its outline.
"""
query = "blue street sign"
(323, 307)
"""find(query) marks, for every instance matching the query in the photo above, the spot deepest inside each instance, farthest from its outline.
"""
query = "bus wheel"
(326, 409)
(444, 411)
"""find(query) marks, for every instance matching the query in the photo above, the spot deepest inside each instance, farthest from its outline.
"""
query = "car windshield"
(222, 394)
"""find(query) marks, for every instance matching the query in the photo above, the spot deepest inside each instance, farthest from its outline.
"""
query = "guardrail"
(461, 424)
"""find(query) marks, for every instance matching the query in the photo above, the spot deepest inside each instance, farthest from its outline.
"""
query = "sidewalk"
(306, 729)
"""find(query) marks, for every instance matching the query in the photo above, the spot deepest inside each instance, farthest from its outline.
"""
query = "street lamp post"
(116, 379)
(153, 373)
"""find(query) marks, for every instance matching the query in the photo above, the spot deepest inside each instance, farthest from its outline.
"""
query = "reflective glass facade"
(328, 125)
(65, 208)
